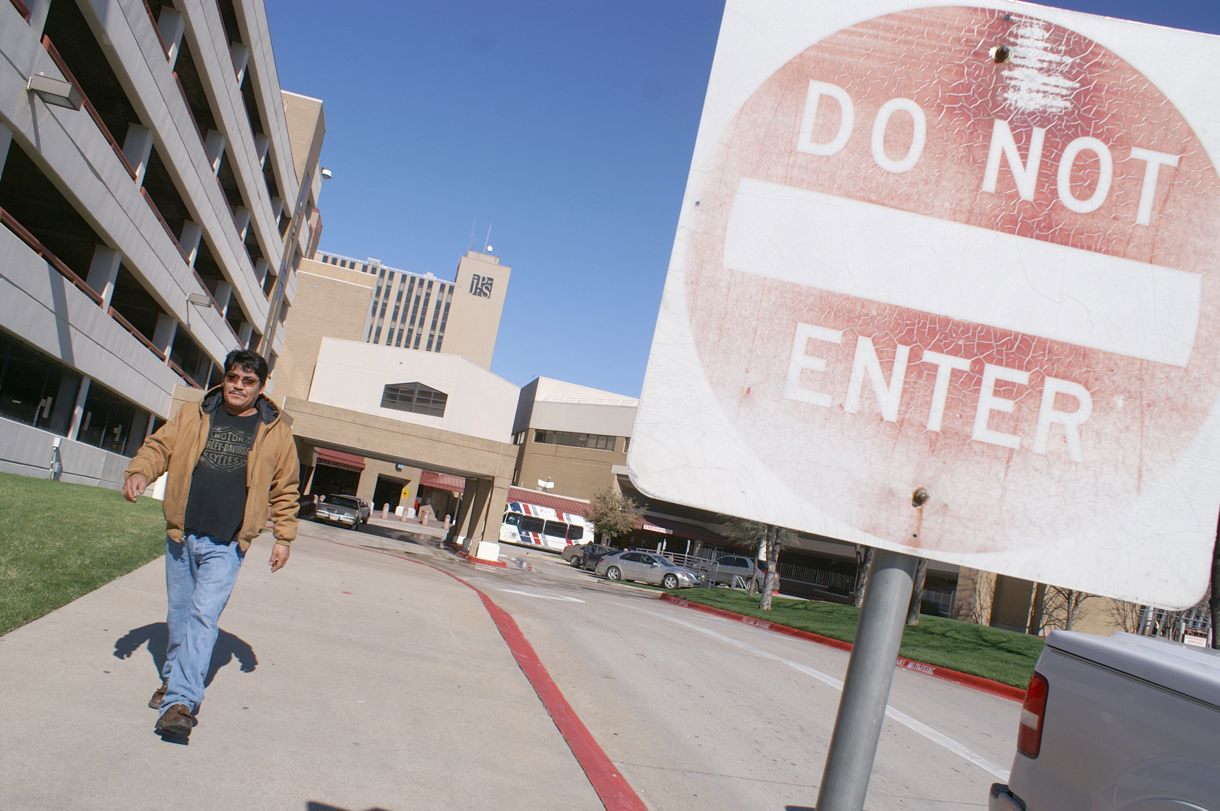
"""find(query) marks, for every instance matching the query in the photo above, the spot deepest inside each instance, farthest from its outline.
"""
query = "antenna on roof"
(470, 242)
(487, 242)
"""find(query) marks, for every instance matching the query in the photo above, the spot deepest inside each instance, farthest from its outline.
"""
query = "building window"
(600, 442)
(111, 423)
(34, 389)
(440, 335)
(415, 398)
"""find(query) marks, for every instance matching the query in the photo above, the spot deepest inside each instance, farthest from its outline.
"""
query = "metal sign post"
(870, 673)
(849, 763)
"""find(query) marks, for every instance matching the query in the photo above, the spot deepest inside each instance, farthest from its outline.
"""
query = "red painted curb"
(612, 788)
(936, 671)
(479, 561)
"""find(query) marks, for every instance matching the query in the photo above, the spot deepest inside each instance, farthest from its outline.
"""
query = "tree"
(613, 514)
(1061, 608)
(1126, 616)
(921, 578)
(775, 537)
(864, 565)
(762, 539)
(744, 535)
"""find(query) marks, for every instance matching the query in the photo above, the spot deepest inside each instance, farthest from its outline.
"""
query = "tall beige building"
(388, 423)
(420, 311)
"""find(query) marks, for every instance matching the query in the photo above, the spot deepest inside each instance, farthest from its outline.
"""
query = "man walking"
(229, 459)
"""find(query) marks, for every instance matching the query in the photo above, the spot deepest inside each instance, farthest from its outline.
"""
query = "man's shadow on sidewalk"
(156, 636)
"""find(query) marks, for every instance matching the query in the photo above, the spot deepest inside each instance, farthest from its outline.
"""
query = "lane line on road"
(956, 747)
(980, 683)
(607, 781)
(542, 596)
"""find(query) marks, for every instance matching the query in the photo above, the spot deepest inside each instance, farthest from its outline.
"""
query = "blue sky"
(564, 125)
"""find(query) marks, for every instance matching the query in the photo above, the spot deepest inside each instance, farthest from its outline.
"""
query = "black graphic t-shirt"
(217, 501)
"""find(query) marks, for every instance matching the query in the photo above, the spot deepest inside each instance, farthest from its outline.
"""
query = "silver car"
(647, 567)
(728, 568)
(347, 511)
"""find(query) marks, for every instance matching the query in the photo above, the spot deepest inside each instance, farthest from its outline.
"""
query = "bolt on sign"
(968, 247)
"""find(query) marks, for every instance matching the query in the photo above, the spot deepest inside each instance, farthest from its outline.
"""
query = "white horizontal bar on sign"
(963, 272)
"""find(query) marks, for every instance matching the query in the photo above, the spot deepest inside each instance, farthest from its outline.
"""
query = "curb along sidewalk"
(936, 671)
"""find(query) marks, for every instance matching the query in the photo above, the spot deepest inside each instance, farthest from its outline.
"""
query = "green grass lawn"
(993, 653)
(59, 541)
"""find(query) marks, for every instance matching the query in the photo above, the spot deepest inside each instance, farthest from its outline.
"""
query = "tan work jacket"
(271, 469)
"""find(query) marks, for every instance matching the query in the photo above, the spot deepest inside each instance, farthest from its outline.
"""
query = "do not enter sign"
(969, 248)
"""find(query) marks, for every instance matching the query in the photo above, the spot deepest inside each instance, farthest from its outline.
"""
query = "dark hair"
(248, 361)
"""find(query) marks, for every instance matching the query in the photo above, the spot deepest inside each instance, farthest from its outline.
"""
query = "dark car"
(585, 555)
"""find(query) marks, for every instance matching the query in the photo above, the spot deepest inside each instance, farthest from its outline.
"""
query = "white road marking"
(543, 596)
(920, 728)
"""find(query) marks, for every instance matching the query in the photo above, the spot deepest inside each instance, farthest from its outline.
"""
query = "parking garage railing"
(54, 261)
(22, 233)
(49, 47)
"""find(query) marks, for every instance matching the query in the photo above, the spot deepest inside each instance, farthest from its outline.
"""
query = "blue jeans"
(199, 577)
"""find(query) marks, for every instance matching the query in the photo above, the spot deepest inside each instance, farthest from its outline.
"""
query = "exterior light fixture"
(326, 174)
(199, 299)
(546, 485)
(55, 91)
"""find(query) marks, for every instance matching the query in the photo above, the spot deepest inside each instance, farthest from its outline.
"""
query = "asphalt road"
(705, 713)
(362, 677)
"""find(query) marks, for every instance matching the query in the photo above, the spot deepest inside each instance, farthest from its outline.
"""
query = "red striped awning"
(340, 459)
(442, 481)
(557, 503)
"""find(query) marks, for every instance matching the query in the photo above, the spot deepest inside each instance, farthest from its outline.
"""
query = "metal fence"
(938, 602)
(822, 579)
(1193, 623)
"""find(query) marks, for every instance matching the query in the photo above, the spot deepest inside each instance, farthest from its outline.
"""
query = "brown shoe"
(158, 695)
(176, 722)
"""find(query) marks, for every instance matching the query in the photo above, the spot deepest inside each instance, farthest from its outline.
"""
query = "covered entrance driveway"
(486, 465)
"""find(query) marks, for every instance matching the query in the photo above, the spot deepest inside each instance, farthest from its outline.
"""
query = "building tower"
(420, 311)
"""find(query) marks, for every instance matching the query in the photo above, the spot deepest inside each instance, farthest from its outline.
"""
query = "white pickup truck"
(1118, 723)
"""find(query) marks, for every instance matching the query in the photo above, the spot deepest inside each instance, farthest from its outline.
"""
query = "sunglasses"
(245, 380)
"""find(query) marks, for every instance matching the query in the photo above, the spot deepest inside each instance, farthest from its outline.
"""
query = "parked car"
(728, 567)
(585, 555)
(647, 567)
(1118, 723)
(347, 511)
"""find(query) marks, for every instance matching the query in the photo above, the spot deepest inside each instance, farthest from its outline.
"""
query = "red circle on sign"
(1085, 101)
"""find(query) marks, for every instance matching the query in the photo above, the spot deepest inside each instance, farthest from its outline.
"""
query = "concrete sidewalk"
(354, 679)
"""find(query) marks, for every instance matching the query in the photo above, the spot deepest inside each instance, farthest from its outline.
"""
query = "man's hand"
(279, 556)
(134, 487)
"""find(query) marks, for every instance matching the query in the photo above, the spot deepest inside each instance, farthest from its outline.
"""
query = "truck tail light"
(1033, 714)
